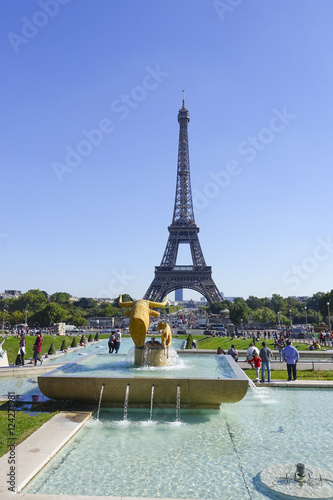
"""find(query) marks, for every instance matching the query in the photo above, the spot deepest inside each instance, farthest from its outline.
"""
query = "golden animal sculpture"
(166, 335)
(139, 317)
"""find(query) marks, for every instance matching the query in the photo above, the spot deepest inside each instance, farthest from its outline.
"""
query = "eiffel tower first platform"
(183, 230)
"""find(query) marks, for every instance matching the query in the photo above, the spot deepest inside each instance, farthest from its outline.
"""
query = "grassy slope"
(11, 345)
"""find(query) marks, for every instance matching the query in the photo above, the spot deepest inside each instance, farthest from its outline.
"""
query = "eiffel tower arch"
(183, 230)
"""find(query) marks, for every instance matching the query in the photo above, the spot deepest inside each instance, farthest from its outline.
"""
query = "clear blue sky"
(87, 212)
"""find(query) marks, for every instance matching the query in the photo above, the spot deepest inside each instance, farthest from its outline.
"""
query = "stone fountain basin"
(203, 393)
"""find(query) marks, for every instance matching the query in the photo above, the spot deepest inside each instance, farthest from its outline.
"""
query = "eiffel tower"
(183, 230)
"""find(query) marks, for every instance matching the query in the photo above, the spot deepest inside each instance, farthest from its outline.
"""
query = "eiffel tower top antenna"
(183, 208)
(183, 230)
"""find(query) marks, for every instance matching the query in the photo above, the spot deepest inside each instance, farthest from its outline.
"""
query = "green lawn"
(225, 343)
(11, 345)
(301, 374)
(17, 426)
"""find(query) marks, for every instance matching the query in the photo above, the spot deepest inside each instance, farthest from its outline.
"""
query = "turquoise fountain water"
(207, 454)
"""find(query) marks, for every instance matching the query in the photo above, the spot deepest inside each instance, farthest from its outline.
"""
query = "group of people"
(326, 338)
(114, 341)
(232, 352)
(37, 348)
(261, 359)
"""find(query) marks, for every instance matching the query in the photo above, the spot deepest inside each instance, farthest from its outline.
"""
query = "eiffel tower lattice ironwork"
(183, 230)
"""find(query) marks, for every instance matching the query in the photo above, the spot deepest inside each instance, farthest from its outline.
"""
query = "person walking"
(266, 356)
(117, 341)
(21, 349)
(111, 342)
(290, 356)
(37, 347)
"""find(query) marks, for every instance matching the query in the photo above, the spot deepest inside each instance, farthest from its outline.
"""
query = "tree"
(239, 311)
(75, 318)
(52, 313)
(85, 303)
(264, 315)
(278, 303)
(254, 303)
(322, 304)
(125, 298)
(33, 301)
(61, 298)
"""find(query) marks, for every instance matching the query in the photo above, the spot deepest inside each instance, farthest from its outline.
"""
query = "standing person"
(111, 342)
(250, 353)
(22, 349)
(280, 347)
(256, 361)
(37, 347)
(291, 356)
(117, 341)
(266, 356)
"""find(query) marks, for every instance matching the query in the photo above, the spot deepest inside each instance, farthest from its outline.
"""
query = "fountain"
(206, 455)
(285, 481)
(206, 392)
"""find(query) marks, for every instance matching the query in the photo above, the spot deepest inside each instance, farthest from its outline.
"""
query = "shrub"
(63, 345)
(52, 349)
(83, 340)
(189, 342)
(74, 342)
(90, 338)
(97, 336)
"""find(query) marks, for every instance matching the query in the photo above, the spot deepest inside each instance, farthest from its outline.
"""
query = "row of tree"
(278, 310)
(41, 309)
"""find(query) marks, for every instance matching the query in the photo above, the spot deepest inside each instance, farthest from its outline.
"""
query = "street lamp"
(329, 317)
(290, 319)
(278, 315)
(4, 320)
(306, 318)
(242, 326)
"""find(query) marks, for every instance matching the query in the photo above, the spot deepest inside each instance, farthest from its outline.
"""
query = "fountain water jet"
(178, 404)
(126, 401)
(100, 401)
(151, 402)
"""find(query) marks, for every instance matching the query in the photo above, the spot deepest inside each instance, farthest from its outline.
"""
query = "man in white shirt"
(250, 353)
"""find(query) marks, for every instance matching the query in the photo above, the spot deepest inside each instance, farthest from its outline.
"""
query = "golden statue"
(166, 335)
(139, 317)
